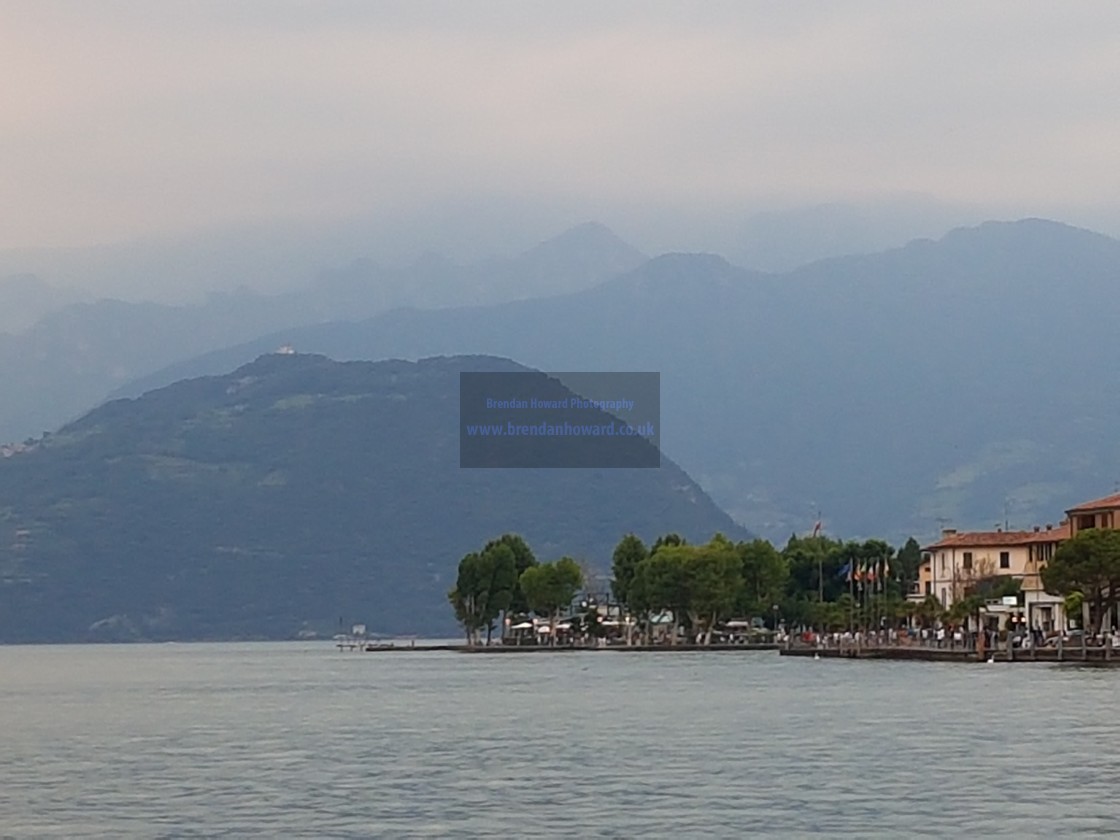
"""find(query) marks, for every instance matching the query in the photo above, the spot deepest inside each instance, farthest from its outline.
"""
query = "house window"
(929, 587)
(1086, 521)
(1005, 559)
(967, 562)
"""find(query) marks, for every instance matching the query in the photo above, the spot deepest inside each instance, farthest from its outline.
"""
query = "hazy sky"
(127, 119)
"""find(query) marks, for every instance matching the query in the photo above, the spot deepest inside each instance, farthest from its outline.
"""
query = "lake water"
(301, 740)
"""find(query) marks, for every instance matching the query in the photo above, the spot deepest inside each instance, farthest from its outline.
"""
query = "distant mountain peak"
(586, 238)
(676, 272)
(1030, 229)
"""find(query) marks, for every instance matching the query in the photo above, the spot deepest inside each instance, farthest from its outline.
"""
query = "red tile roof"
(1112, 501)
(993, 539)
(1061, 532)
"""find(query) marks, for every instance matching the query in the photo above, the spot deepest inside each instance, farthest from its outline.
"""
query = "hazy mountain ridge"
(286, 494)
(73, 356)
(865, 387)
(25, 298)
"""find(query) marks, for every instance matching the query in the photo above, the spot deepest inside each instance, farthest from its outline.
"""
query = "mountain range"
(961, 380)
(71, 357)
(296, 491)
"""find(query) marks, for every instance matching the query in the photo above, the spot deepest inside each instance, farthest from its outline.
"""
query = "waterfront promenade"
(906, 650)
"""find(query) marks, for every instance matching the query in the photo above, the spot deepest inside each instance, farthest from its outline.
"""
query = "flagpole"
(851, 595)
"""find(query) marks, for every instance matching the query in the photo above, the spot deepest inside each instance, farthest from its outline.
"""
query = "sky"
(128, 120)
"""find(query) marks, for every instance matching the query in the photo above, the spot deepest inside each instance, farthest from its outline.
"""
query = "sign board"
(1010, 600)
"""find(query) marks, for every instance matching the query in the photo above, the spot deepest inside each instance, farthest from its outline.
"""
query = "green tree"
(814, 565)
(499, 563)
(714, 580)
(629, 552)
(671, 540)
(1088, 563)
(468, 597)
(909, 561)
(550, 588)
(641, 603)
(483, 590)
(664, 583)
(523, 558)
(698, 585)
(765, 572)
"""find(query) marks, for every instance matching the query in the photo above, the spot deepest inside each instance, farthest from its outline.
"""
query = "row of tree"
(696, 586)
(813, 581)
(506, 578)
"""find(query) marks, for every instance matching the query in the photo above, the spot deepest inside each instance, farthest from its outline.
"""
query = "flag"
(817, 529)
(846, 571)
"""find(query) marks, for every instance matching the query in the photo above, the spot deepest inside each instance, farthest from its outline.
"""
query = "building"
(1099, 513)
(955, 562)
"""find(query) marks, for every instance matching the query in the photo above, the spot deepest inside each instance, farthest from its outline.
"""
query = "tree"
(1088, 563)
(698, 584)
(468, 598)
(714, 580)
(814, 565)
(664, 583)
(523, 558)
(550, 587)
(672, 540)
(765, 572)
(928, 611)
(909, 561)
(483, 590)
(629, 552)
(499, 564)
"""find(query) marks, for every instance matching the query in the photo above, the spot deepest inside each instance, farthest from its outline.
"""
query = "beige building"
(1099, 513)
(957, 560)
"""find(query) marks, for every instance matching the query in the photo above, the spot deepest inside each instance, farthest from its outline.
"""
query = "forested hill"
(286, 495)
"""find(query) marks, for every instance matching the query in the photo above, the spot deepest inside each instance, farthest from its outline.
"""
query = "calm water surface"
(298, 740)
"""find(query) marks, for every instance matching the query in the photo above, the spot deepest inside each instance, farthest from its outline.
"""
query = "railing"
(953, 644)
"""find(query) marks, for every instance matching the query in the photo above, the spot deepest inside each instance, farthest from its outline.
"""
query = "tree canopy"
(1088, 563)
(696, 587)
(551, 587)
(483, 589)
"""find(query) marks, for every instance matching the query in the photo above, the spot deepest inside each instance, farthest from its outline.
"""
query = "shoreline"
(1095, 656)
(528, 649)
(1091, 656)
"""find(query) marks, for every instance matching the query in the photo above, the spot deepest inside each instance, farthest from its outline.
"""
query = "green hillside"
(287, 495)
